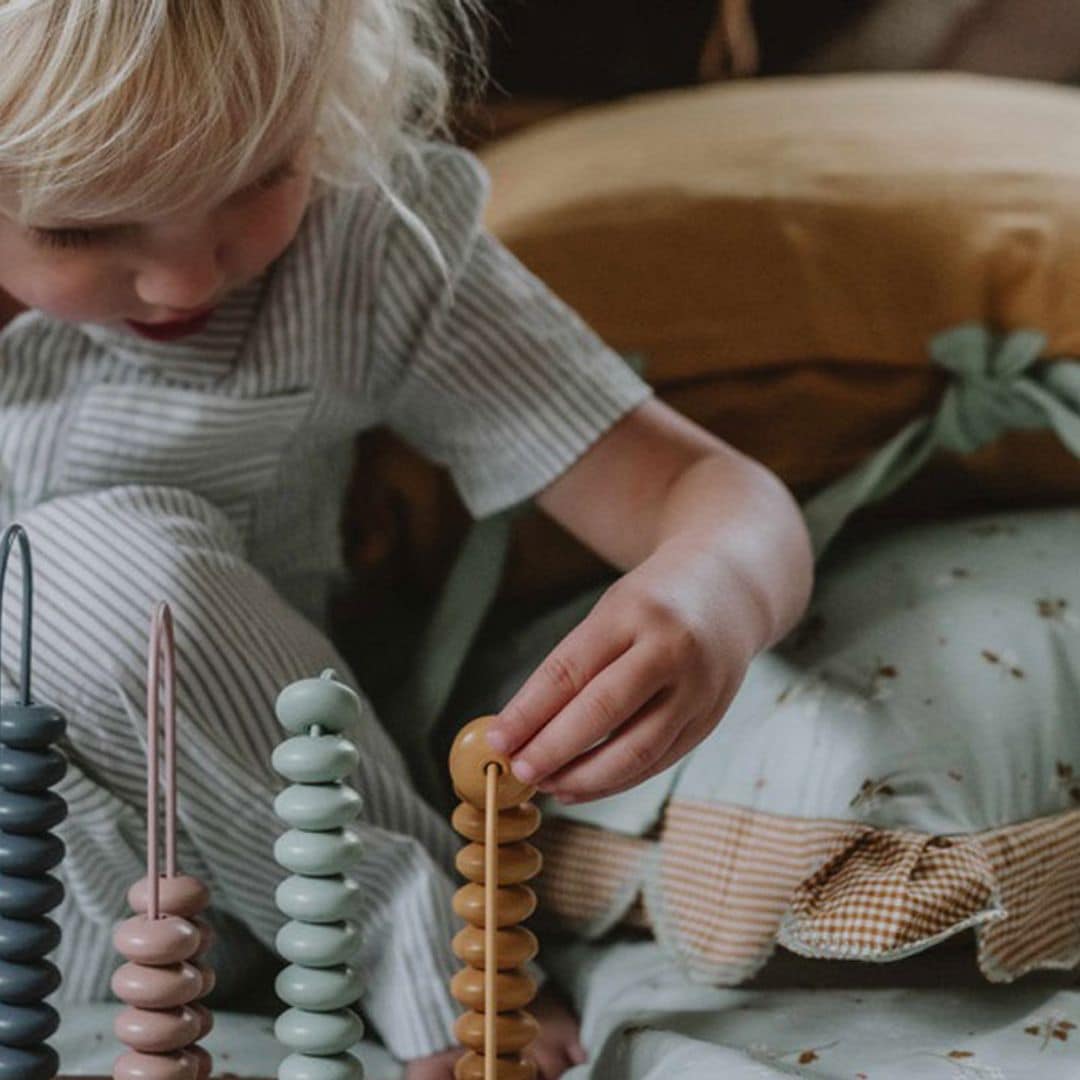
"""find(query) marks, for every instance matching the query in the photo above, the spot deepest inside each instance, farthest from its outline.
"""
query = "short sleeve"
(476, 363)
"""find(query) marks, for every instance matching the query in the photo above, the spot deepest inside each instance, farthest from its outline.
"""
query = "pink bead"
(207, 936)
(157, 1031)
(136, 1066)
(182, 895)
(206, 1020)
(204, 1063)
(209, 978)
(167, 940)
(157, 987)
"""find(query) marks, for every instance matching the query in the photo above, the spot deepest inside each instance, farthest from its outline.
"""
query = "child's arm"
(719, 568)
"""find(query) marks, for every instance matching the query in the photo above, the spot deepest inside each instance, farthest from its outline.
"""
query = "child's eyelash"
(81, 238)
(66, 238)
(277, 175)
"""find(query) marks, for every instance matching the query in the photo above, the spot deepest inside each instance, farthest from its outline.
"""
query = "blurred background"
(548, 55)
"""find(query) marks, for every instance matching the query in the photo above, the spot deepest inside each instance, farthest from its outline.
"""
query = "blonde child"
(229, 241)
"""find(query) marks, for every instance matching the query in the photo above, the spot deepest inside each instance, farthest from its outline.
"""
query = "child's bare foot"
(436, 1067)
(558, 1045)
(555, 1050)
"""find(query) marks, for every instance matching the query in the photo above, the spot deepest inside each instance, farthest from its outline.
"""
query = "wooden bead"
(316, 900)
(470, 1066)
(317, 945)
(157, 987)
(182, 895)
(30, 813)
(207, 936)
(310, 1067)
(516, 863)
(513, 904)
(318, 989)
(316, 759)
(205, 1018)
(513, 1031)
(325, 702)
(137, 1066)
(318, 806)
(513, 824)
(513, 989)
(469, 757)
(514, 946)
(209, 978)
(204, 1062)
(27, 984)
(27, 1025)
(319, 1032)
(40, 1062)
(319, 854)
(156, 1031)
(166, 940)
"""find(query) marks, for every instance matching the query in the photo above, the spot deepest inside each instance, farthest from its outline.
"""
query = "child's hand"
(436, 1067)
(641, 681)
(555, 1050)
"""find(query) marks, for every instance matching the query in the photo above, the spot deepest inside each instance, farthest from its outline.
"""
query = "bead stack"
(164, 977)
(496, 816)
(319, 849)
(29, 765)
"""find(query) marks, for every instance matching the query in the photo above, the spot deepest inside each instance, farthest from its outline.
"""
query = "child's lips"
(176, 328)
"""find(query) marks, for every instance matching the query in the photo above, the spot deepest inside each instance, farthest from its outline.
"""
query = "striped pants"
(102, 561)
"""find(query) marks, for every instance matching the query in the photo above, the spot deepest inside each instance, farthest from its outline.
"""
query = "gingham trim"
(724, 879)
(592, 878)
(1037, 866)
(890, 894)
(723, 884)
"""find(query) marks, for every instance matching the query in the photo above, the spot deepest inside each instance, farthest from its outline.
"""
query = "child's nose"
(182, 277)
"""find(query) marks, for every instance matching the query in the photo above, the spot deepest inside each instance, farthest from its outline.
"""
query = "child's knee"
(102, 561)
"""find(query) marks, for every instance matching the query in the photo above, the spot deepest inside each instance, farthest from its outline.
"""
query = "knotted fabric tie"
(994, 387)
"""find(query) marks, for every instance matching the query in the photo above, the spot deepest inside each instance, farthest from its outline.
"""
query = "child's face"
(164, 273)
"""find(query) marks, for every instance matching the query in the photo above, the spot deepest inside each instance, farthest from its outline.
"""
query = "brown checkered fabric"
(592, 878)
(889, 894)
(723, 884)
(1037, 866)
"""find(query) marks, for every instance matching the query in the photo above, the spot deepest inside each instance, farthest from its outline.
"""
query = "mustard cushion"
(780, 252)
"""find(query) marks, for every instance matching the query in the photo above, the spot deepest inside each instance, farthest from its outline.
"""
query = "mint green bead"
(318, 806)
(319, 1032)
(319, 989)
(326, 702)
(317, 900)
(317, 944)
(305, 1067)
(316, 759)
(318, 854)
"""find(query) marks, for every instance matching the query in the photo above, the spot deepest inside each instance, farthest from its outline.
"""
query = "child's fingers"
(683, 744)
(610, 699)
(566, 671)
(634, 753)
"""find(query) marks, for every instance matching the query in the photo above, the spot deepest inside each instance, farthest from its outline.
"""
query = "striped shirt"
(359, 323)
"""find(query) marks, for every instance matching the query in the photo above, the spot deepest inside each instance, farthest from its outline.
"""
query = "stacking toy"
(319, 985)
(29, 766)
(165, 942)
(496, 816)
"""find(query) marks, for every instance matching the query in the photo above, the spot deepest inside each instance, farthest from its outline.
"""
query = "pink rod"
(161, 633)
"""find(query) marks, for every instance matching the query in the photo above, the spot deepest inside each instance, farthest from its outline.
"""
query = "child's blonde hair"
(112, 108)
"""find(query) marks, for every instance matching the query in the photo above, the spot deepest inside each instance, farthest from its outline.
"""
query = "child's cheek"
(75, 288)
(270, 225)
